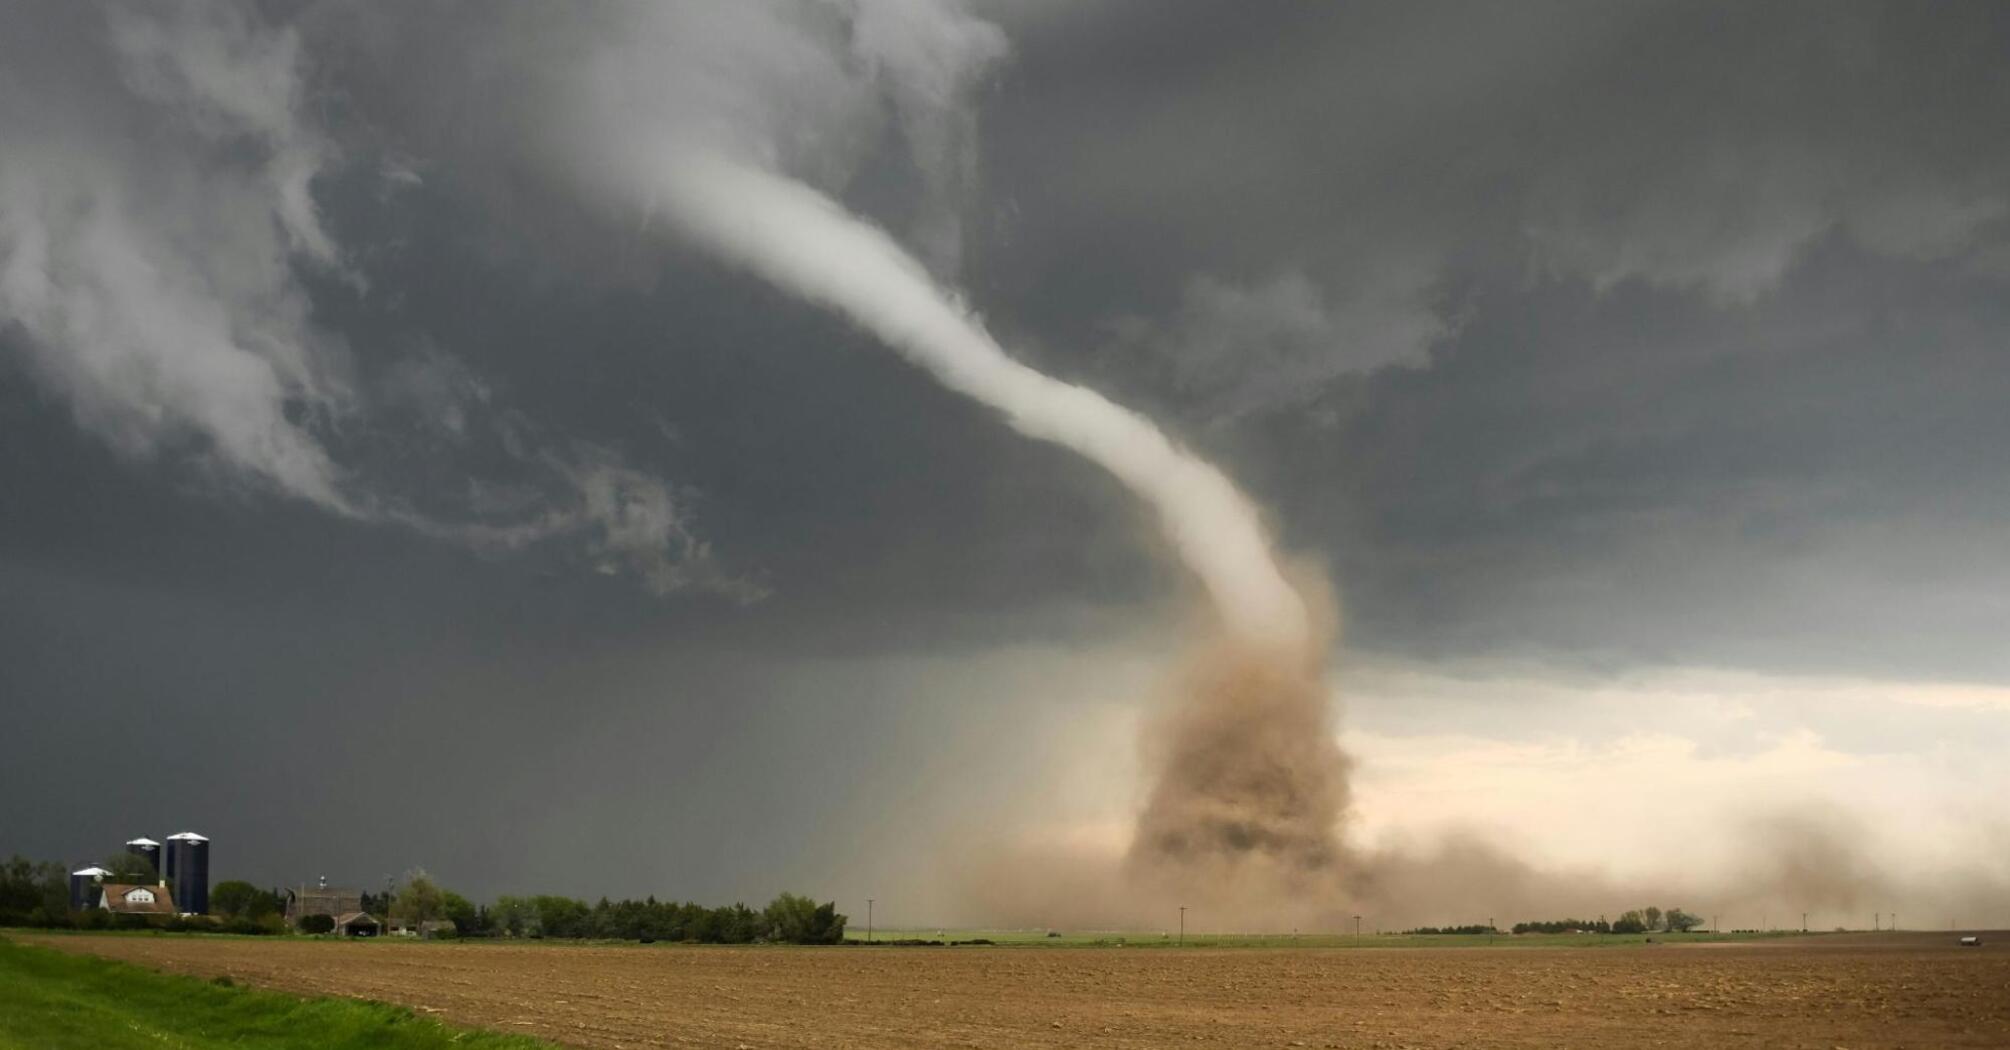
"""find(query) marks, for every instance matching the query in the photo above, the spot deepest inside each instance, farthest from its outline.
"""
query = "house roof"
(115, 899)
(141, 842)
(353, 916)
(187, 836)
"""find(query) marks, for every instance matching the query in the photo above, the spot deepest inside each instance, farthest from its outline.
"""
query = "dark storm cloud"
(1609, 332)
(1634, 330)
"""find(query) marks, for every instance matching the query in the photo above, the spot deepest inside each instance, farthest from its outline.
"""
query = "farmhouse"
(137, 900)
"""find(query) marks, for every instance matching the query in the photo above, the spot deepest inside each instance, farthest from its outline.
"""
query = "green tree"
(270, 902)
(26, 887)
(457, 908)
(799, 920)
(1653, 917)
(419, 900)
(562, 916)
(515, 916)
(1681, 921)
(130, 869)
(1631, 922)
(234, 898)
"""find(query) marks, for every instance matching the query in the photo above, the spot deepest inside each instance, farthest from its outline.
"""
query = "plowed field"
(1899, 991)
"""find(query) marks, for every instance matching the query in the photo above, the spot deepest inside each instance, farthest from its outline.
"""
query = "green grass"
(51, 1000)
(1154, 939)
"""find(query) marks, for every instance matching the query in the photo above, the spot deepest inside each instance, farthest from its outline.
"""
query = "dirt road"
(1912, 991)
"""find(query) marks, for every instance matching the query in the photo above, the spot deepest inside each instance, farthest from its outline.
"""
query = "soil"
(1904, 990)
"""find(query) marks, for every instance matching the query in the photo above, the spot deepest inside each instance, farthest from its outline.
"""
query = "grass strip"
(51, 1000)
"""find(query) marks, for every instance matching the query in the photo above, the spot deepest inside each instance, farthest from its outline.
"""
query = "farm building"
(187, 867)
(147, 848)
(357, 924)
(427, 929)
(322, 899)
(137, 900)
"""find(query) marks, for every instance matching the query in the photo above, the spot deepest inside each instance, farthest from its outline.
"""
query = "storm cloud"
(1588, 347)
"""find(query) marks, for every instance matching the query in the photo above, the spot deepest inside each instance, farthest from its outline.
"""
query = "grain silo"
(188, 872)
(148, 848)
(86, 886)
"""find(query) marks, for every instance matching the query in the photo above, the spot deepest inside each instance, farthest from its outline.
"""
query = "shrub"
(799, 920)
(317, 924)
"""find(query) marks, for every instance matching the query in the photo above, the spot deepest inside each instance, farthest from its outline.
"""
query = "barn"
(322, 899)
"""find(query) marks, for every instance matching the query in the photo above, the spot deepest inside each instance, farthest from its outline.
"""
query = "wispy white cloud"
(157, 215)
(147, 239)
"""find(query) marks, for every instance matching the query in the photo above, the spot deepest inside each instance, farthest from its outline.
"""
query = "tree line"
(788, 919)
(1641, 920)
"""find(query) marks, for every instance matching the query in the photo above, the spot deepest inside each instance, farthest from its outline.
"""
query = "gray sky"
(377, 488)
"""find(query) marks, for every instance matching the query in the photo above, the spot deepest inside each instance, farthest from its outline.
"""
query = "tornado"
(1243, 763)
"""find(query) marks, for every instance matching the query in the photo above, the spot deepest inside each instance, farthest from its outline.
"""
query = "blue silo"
(188, 872)
(148, 848)
(86, 886)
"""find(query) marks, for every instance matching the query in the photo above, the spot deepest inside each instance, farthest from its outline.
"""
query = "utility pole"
(1357, 926)
(1804, 922)
(868, 920)
(1182, 925)
(1876, 921)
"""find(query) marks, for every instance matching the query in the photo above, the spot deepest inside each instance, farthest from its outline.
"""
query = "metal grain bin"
(188, 871)
(148, 848)
(86, 885)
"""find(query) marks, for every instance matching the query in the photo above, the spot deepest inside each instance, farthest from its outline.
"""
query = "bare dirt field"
(1905, 990)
